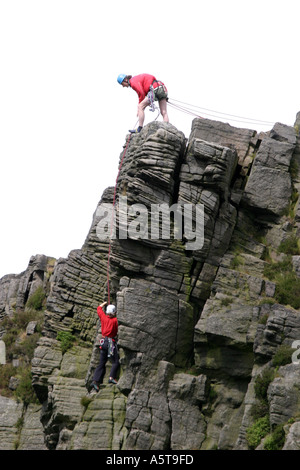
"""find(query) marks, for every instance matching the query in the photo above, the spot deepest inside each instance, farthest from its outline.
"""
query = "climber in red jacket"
(148, 90)
(108, 345)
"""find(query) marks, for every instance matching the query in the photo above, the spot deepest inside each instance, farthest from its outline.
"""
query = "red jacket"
(141, 84)
(109, 326)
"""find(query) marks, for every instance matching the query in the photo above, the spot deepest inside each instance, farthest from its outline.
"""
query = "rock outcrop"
(201, 316)
(15, 289)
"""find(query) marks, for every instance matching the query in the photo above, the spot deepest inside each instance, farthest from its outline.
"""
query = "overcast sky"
(64, 118)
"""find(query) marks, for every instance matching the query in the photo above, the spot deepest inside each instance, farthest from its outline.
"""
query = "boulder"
(269, 175)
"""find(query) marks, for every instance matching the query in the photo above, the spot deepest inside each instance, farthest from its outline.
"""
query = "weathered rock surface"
(15, 290)
(270, 174)
(283, 395)
(197, 325)
(293, 437)
(20, 427)
(10, 413)
(32, 432)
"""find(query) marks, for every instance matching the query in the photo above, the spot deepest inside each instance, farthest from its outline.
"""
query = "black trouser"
(100, 371)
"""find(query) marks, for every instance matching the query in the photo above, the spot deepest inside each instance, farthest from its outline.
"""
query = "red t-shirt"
(109, 326)
(141, 84)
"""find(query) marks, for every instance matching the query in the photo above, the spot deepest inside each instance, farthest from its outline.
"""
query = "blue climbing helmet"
(121, 77)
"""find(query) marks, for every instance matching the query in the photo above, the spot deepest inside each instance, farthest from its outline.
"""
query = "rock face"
(199, 318)
(15, 290)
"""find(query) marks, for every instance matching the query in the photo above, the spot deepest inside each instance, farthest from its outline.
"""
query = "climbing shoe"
(95, 386)
(136, 131)
(112, 381)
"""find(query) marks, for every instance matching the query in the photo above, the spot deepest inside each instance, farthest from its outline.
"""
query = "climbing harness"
(112, 219)
(161, 91)
(110, 345)
(157, 94)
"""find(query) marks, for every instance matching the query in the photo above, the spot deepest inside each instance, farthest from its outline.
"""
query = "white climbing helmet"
(110, 310)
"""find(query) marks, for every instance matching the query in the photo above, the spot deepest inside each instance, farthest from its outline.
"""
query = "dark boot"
(136, 131)
(96, 386)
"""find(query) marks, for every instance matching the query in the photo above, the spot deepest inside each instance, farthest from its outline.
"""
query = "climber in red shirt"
(108, 345)
(143, 84)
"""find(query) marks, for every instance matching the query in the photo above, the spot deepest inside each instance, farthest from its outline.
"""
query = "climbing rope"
(193, 110)
(112, 219)
(184, 110)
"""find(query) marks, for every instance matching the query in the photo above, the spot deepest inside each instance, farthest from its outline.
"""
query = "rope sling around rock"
(112, 217)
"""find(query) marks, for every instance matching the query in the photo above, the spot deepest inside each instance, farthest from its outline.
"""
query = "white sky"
(64, 118)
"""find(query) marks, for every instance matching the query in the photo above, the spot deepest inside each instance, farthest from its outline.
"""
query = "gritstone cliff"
(206, 336)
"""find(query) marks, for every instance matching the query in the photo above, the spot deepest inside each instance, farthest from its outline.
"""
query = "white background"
(64, 118)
